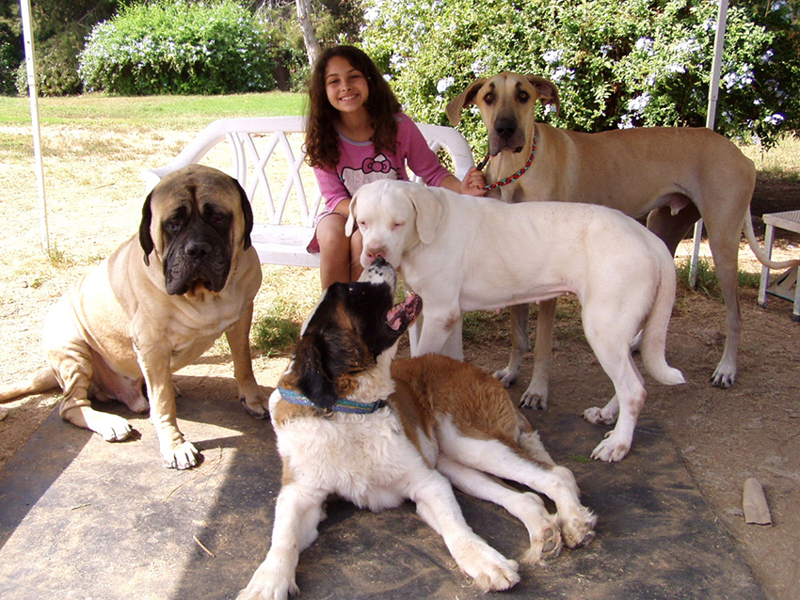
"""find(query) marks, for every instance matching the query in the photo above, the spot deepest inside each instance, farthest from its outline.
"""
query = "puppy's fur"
(442, 420)
(460, 254)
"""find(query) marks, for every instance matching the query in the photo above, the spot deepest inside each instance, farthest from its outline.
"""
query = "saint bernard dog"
(349, 421)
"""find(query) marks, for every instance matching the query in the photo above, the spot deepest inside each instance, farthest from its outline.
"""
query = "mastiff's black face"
(195, 220)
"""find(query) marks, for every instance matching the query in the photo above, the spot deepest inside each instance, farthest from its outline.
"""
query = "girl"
(355, 134)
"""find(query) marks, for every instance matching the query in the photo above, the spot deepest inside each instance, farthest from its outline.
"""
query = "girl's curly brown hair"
(322, 139)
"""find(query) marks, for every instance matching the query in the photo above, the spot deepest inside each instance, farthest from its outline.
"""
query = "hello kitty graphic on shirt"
(371, 169)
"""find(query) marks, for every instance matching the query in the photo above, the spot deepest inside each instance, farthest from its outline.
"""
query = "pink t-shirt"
(359, 164)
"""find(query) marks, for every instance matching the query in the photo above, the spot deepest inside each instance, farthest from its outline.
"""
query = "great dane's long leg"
(538, 389)
(297, 514)
(437, 505)
(543, 531)
(520, 344)
(725, 250)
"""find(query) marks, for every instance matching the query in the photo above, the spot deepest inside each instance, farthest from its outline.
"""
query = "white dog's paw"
(183, 456)
(578, 529)
(268, 584)
(595, 416)
(491, 571)
(506, 377)
(612, 448)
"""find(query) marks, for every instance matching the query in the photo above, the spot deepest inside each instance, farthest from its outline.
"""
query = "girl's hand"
(474, 183)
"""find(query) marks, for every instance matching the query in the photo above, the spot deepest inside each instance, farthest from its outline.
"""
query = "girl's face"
(347, 88)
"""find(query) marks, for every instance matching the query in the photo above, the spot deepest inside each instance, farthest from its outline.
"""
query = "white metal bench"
(277, 182)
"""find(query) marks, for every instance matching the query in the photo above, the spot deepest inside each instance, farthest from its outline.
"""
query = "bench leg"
(769, 236)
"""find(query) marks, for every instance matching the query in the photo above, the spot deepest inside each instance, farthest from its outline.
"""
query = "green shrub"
(10, 57)
(617, 63)
(171, 47)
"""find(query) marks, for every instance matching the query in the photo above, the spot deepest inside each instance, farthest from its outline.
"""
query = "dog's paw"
(533, 399)
(506, 377)
(545, 545)
(258, 407)
(595, 416)
(183, 456)
(110, 427)
(612, 448)
(491, 571)
(578, 530)
(267, 584)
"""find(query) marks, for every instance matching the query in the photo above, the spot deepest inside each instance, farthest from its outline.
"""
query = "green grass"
(167, 112)
(707, 282)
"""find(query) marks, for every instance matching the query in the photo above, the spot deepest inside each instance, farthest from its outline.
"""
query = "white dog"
(462, 254)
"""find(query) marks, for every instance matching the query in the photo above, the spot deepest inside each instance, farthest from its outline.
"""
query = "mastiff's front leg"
(154, 360)
(254, 401)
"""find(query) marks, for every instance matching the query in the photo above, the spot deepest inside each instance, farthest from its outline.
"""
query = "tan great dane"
(673, 175)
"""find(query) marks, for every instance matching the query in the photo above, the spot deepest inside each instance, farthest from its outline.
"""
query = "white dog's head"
(393, 217)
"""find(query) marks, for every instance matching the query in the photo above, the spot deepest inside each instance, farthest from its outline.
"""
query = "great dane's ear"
(465, 98)
(145, 239)
(429, 212)
(247, 211)
(546, 89)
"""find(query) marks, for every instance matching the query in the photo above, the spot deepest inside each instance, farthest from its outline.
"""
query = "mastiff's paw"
(183, 456)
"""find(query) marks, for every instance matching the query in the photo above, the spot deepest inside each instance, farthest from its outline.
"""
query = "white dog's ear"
(465, 98)
(350, 224)
(546, 89)
(429, 213)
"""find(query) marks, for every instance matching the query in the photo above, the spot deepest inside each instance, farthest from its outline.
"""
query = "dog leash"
(513, 177)
(342, 405)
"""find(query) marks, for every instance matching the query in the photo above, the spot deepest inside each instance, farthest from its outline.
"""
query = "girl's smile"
(346, 87)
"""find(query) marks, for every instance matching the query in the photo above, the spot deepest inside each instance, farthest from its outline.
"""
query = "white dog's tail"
(43, 381)
(654, 332)
(750, 234)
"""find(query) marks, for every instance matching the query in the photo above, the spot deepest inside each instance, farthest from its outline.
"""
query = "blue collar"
(342, 405)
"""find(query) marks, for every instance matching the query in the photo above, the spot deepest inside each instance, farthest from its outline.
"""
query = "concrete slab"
(82, 518)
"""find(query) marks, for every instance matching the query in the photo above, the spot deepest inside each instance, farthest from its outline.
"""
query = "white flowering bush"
(617, 63)
(174, 47)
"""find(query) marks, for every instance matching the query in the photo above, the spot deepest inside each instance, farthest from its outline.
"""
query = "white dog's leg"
(297, 514)
(437, 505)
(628, 400)
(536, 394)
(543, 530)
(437, 328)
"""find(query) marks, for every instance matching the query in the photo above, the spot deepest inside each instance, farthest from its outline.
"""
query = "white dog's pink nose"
(373, 253)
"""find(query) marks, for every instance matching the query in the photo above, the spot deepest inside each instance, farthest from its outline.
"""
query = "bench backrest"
(254, 143)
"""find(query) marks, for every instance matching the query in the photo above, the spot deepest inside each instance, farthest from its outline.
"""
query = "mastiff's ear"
(546, 90)
(429, 212)
(145, 239)
(465, 98)
(247, 211)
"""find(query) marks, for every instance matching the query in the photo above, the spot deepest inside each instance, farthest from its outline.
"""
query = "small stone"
(755, 506)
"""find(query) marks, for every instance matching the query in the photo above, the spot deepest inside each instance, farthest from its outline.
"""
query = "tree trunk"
(310, 38)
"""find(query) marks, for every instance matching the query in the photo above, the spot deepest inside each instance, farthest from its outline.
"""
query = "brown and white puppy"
(674, 175)
(350, 422)
(153, 307)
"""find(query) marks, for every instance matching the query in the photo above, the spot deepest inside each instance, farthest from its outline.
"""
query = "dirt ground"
(723, 436)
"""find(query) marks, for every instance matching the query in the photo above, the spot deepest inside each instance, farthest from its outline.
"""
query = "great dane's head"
(194, 224)
(507, 103)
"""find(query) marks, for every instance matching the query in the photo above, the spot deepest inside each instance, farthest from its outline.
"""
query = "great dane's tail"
(43, 381)
(654, 332)
(750, 234)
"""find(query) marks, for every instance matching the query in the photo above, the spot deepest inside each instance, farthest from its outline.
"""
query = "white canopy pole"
(27, 34)
(713, 95)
